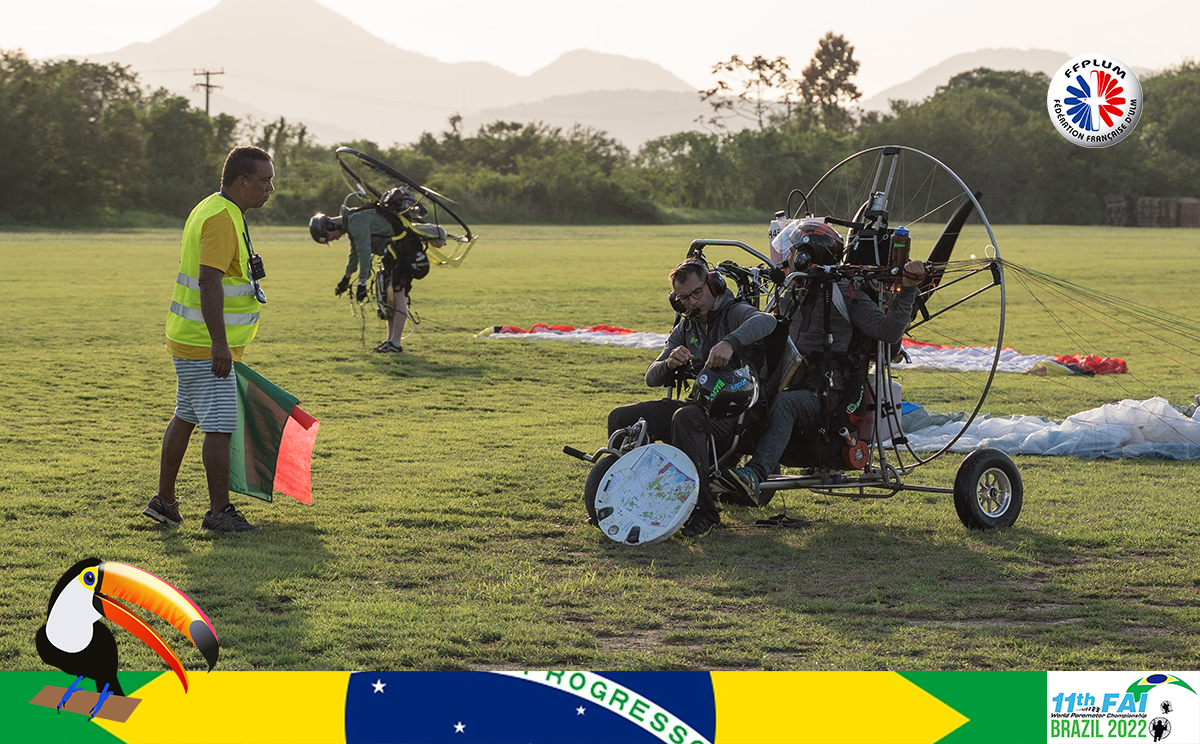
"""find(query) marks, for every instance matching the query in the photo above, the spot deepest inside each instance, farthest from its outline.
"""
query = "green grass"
(447, 530)
(688, 216)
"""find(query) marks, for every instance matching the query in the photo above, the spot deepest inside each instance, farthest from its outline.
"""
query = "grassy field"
(447, 530)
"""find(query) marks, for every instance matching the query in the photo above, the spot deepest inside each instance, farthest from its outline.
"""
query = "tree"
(990, 127)
(185, 152)
(70, 138)
(757, 90)
(686, 169)
(825, 84)
(1024, 87)
(1168, 126)
(1176, 109)
(768, 165)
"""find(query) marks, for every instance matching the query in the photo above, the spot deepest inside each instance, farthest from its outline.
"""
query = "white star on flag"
(379, 684)
(460, 727)
(580, 710)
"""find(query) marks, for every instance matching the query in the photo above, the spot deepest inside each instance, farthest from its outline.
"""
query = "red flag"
(271, 449)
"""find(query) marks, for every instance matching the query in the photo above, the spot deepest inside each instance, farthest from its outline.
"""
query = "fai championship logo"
(1094, 100)
(1149, 707)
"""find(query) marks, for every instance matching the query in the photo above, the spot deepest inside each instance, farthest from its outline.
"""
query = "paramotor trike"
(871, 195)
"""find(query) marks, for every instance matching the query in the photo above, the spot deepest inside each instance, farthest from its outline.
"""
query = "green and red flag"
(273, 443)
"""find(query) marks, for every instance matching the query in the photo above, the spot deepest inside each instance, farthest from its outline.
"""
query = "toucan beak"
(132, 584)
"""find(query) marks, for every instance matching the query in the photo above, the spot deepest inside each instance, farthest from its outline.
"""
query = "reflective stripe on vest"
(185, 321)
(230, 290)
(230, 318)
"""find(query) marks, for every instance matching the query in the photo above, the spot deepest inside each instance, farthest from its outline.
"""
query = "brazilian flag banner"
(583, 707)
(272, 446)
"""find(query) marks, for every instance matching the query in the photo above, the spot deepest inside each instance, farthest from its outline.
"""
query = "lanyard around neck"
(245, 224)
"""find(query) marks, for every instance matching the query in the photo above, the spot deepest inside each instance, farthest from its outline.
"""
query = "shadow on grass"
(910, 590)
(256, 589)
(417, 365)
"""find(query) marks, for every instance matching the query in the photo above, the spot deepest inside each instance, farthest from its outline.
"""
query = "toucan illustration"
(75, 641)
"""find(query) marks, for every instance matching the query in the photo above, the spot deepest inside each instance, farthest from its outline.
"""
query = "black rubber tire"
(593, 485)
(987, 490)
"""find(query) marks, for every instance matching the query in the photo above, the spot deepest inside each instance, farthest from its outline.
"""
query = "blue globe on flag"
(1150, 681)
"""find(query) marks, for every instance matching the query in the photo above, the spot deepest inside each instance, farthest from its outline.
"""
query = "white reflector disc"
(647, 495)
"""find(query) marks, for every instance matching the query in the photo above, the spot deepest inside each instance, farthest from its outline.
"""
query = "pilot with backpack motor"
(716, 330)
(386, 229)
(833, 323)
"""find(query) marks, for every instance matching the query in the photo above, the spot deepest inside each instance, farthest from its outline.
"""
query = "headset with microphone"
(712, 279)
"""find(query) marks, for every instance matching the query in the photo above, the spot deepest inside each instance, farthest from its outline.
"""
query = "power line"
(207, 85)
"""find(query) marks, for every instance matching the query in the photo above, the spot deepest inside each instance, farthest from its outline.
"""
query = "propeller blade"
(945, 243)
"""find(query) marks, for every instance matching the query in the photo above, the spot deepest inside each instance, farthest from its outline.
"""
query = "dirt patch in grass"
(641, 641)
(1141, 631)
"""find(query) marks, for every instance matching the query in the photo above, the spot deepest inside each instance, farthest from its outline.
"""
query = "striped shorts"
(201, 398)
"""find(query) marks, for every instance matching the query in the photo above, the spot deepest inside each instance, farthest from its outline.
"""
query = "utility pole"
(208, 86)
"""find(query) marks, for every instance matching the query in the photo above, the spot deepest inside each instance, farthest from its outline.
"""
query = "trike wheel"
(988, 490)
(599, 470)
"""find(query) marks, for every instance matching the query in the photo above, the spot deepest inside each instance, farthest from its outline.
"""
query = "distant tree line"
(85, 143)
(82, 140)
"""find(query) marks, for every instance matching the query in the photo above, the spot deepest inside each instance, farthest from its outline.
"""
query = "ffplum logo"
(1095, 100)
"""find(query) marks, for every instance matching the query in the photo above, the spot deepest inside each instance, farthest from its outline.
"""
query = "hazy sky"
(894, 40)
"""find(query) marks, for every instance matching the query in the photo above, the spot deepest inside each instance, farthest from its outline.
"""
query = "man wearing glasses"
(715, 330)
(213, 316)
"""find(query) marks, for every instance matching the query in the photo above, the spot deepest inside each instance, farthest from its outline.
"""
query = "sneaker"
(699, 525)
(227, 520)
(747, 480)
(161, 511)
(387, 347)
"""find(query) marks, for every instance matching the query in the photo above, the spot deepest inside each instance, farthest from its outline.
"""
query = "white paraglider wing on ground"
(1126, 429)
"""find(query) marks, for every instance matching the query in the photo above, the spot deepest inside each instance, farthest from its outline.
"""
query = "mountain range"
(302, 61)
(924, 84)
(298, 59)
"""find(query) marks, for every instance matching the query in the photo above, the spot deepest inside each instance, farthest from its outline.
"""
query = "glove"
(342, 286)
(361, 294)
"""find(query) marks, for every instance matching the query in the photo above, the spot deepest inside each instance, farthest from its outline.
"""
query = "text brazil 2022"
(1082, 716)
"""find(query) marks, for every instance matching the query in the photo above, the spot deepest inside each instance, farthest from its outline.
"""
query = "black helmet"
(810, 241)
(727, 394)
(401, 201)
(320, 226)
(416, 263)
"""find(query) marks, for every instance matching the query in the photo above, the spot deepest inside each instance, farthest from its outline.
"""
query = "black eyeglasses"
(693, 296)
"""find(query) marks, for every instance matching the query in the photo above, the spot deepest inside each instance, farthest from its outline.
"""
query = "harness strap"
(398, 225)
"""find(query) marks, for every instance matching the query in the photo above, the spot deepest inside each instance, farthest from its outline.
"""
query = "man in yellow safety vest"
(213, 316)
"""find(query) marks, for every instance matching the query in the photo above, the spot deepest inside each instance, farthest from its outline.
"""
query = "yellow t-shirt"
(218, 249)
